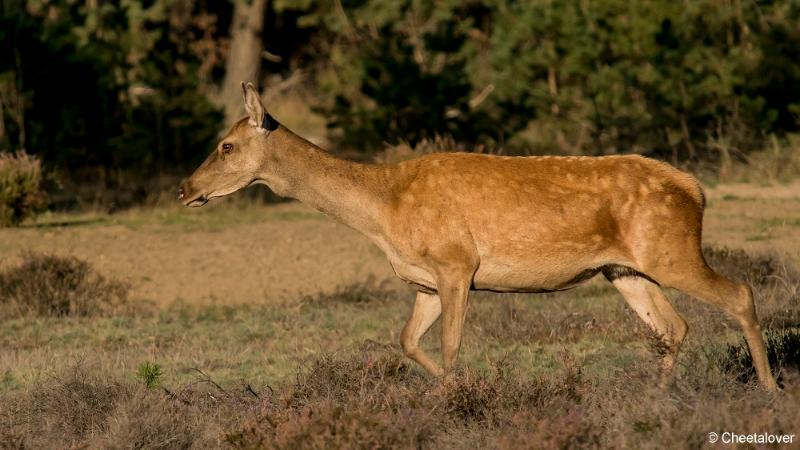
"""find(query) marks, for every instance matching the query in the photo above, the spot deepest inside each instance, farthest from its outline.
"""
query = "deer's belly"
(529, 278)
(502, 277)
(544, 273)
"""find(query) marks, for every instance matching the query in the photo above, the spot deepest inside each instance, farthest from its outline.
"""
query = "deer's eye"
(227, 147)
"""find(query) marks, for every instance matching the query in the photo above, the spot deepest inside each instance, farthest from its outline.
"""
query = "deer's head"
(237, 160)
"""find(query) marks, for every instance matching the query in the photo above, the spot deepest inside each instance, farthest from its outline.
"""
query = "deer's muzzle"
(189, 197)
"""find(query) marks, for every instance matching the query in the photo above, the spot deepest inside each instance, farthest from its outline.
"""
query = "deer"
(452, 223)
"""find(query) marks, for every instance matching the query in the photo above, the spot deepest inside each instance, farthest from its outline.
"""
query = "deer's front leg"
(453, 294)
(427, 309)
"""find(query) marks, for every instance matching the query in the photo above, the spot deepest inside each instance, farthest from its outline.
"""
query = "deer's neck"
(353, 193)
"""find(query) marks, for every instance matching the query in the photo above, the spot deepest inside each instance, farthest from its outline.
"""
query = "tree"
(243, 62)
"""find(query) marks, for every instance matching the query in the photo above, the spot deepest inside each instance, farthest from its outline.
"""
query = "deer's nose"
(181, 193)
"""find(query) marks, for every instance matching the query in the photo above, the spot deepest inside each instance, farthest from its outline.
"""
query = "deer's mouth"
(197, 201)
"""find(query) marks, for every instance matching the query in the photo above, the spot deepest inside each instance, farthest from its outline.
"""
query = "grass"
(214, 217)
(560, 370)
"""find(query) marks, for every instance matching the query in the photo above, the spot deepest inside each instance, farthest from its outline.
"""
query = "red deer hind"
(454, 222)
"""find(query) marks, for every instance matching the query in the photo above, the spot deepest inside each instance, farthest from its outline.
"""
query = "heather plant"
(49, 285)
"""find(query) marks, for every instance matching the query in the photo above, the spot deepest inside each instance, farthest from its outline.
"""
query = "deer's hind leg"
(650, 304)
(703, 283)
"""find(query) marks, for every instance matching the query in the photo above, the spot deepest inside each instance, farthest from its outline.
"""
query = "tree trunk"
(244, 56)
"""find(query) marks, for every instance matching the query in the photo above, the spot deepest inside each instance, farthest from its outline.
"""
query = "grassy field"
(249, 326)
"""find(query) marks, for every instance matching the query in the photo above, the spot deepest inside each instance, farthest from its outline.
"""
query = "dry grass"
(778, 163)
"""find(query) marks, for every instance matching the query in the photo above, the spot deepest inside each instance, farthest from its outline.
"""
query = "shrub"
(20, 187)
(49, 285)
(337, 378)
(74, 405)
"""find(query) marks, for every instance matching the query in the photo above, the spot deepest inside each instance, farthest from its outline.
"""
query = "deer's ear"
(252, 104)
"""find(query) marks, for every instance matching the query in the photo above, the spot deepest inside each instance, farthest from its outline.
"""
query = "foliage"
(501, 409)
(704, 79)
(49, 285)
(21, 195)
(150, 374)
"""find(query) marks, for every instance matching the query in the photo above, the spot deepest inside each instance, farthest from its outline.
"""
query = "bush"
(372, 400)
(20, 187)
(77, 404)
(49, 285)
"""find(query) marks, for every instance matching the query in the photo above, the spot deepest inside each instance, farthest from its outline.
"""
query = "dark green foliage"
(49, 285)
(698, 80)
(114, 86)
(401, 100)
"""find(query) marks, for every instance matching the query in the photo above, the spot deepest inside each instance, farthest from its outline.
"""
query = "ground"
(282, 300)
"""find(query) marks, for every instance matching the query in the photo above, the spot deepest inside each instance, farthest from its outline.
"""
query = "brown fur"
(453, 222)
